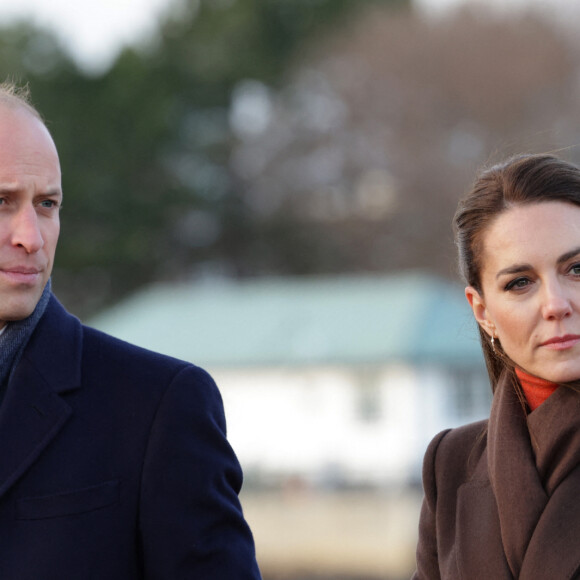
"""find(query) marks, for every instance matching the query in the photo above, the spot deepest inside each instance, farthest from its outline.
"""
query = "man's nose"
(26, 232)
(556, 304)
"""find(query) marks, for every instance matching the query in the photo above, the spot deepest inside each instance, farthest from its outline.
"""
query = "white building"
(333, 381)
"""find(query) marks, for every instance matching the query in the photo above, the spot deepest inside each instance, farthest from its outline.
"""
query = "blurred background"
(265, 188)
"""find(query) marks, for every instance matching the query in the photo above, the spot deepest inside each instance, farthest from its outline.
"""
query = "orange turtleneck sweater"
(535, 389)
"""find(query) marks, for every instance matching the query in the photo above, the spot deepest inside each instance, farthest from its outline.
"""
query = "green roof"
(302, 321)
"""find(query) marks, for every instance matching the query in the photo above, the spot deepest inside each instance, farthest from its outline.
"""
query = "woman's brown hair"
(524, 179)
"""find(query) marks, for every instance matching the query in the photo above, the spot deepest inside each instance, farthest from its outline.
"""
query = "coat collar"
(534, 470)
(55, 348)
(33, 411)
(513, 475)
(554, 429)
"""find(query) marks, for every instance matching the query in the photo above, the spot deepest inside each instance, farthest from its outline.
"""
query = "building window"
(472, 395)
(368, 398)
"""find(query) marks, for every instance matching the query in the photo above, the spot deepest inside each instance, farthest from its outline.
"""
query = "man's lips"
(20, 274)
(561, 342)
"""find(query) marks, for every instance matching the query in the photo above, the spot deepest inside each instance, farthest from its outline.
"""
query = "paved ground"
(310, 535)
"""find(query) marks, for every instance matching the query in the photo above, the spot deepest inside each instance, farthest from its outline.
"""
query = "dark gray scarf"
(15, 338)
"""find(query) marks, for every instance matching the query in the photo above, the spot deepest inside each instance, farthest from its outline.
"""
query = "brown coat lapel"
(554, 549)
(515, 481)
(505, 504)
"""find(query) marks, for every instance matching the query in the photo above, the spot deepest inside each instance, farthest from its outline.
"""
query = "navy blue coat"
(114, 465)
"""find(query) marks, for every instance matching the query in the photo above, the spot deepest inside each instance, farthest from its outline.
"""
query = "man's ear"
(477, 304)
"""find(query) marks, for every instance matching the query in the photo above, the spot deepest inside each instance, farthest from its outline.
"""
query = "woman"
(502, 497)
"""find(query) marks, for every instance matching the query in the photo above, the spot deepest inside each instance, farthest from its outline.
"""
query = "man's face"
(30, 199)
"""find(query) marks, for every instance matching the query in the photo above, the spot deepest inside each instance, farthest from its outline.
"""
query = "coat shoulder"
(453, 457)
(144, 375)
(68, 353)
(100, 344)
(461, 445)
(91, 357)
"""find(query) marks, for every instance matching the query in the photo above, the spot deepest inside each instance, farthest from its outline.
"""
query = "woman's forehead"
(530, 233)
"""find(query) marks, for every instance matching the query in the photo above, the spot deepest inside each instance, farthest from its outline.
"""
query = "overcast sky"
(95, 29)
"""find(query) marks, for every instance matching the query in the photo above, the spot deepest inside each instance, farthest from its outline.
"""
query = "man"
(113, 460)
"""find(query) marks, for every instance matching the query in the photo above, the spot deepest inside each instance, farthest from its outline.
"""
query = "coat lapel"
(516, 484)
(33, 411)
(555, 433)
(480, 554)
(534, 470)
(553, 549)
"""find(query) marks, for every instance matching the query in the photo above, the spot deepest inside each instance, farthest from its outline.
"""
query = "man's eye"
(575, 269)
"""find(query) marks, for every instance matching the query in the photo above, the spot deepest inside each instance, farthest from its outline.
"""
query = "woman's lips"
(562, 342)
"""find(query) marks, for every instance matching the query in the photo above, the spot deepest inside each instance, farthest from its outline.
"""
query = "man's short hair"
(14, 96)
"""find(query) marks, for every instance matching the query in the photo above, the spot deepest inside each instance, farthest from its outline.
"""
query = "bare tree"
(380, 127)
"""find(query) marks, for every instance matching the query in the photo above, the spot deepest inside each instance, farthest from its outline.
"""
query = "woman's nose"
(556, 304)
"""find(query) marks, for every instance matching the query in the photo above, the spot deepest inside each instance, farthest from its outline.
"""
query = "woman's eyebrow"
(565, 257)
(515, 269)
(519, 268)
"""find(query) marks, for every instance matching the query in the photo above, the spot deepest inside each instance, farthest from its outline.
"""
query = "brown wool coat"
(502, 497)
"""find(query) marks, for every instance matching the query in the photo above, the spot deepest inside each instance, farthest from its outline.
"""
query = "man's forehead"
(17, 118)
(19, 124)
(13, 104)
(28, 155)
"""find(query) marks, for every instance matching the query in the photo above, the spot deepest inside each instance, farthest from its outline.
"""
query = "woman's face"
(531, 288)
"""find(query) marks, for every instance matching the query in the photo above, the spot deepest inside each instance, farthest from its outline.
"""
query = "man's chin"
(23, 307)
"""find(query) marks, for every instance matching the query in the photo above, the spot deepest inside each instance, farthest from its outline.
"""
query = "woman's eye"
(575, 269)
(519, 283)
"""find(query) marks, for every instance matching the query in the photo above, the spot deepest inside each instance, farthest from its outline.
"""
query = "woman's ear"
(480, 313)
